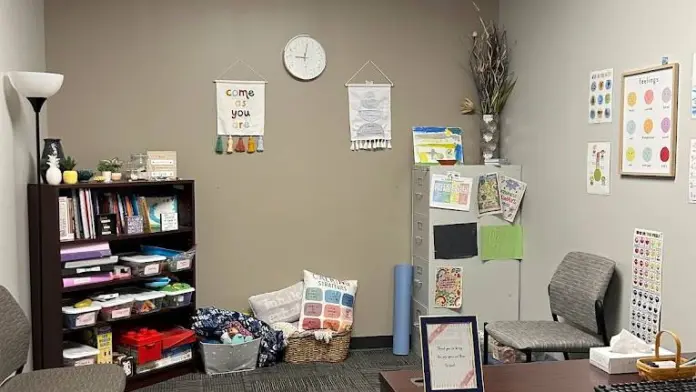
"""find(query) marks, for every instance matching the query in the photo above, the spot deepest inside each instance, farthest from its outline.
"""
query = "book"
(64, 225)
(73, 272)
(109, 260)
(97, 278)
(84, 252)
(158, 206)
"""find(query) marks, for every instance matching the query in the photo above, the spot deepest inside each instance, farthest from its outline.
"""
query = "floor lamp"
(37, 87)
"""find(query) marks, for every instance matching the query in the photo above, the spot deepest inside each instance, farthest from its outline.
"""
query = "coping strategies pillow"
(327, 303)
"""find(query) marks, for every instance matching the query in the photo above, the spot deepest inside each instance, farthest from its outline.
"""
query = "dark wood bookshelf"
(48, 294)
(124, 237)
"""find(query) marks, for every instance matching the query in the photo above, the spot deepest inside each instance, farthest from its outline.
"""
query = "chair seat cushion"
(549, 336)
(102, 378)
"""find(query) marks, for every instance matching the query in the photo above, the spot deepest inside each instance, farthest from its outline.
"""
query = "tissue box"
(615, 363)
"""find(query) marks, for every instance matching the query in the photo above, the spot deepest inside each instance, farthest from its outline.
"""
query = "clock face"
(304, 57)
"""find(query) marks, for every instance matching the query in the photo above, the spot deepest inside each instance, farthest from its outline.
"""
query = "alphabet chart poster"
(601, 96)
(241, 107)
(649, 122)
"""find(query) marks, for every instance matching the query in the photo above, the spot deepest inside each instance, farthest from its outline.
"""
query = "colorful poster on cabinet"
(646, 289)
(511, 194)
(448, 287)
(649, 122)
(433, 144)
(450, 192)
(489, 195)
(601, 96)
(598, 168)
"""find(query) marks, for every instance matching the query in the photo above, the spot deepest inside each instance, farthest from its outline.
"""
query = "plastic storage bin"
(176, 260)
(144, 265)
(75, 354)
(175, 299)
(147, 301)
(226, 358)
(144, 345)
(74, 318)
(115, 309)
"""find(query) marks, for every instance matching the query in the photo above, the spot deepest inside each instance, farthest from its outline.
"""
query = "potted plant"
(116, 165)
(69, 173)
(489, 63)
(106, 167)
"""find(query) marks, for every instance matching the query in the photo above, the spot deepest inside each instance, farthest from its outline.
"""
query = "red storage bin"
(145, 345)
(177, 337)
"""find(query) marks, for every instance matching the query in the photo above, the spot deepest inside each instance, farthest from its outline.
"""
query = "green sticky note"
(501, 242)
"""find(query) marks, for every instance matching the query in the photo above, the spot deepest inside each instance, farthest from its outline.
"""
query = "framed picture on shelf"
(649, 106)
(451, 354)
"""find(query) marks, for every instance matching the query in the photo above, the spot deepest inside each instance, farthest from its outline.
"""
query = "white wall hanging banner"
(241, 112)
(369, 112)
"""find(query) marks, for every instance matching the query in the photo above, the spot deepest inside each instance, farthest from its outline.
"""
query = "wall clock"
(304, 57)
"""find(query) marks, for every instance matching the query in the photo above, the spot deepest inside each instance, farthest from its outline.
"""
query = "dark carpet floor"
(359, 373)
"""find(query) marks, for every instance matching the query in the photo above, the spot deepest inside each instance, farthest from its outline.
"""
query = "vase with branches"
(489, 64)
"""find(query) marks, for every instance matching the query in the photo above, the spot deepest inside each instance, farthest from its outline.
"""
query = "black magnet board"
(457, 241)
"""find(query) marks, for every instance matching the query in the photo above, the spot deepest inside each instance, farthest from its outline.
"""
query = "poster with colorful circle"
(601, 96)
(649, 121)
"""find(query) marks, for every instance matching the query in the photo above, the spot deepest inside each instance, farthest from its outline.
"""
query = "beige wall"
(21, 49)
(558, 44)
(138, 76)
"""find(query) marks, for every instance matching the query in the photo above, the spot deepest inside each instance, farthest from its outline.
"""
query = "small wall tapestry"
(369, 112)
(241, 115)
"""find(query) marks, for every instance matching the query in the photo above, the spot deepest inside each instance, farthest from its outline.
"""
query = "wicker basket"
(657, 374)
(308, 349)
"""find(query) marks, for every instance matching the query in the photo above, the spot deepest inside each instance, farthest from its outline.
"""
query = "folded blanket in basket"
(211, 323)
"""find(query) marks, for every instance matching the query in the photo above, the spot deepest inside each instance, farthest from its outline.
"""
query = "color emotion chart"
(601, 96)
(648, 121)
(646, 289)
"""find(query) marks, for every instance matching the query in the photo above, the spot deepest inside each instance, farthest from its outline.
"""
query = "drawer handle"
(417, 283)
(420, 225)
(419, 240)
(419, 181)
(416, 324)
(419, 195)
(419, 270)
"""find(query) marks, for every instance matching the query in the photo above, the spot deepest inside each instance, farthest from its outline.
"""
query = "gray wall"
(138, 76)
(558, 44)
(21, 49)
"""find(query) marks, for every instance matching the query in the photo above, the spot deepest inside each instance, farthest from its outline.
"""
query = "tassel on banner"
(230, 145)
(240, 145)
(218, 146)
(352, 146)
(251, 145)
(389, 144)
(259, 144)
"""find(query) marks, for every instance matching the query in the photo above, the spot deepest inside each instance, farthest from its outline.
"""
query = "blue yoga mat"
(403, 278)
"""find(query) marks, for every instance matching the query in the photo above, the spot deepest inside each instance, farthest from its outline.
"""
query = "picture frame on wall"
(451, 354)
(649, 114)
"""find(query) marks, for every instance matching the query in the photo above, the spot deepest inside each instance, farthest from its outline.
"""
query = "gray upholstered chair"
(14, 347)
(576, 294)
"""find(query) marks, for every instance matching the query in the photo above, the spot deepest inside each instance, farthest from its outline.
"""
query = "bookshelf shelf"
(132, 318)
(48, 294)
(124, 237)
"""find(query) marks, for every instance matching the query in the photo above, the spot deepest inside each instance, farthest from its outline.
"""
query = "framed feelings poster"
(648, 138)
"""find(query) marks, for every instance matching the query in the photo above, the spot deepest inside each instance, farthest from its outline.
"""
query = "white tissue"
(627, 343)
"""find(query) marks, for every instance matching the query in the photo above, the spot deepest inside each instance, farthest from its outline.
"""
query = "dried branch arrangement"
(489, 63)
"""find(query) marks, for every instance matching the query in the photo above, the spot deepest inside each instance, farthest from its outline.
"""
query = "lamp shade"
(36, 84)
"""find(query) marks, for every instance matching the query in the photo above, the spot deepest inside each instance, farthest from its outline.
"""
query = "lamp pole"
(37, 104)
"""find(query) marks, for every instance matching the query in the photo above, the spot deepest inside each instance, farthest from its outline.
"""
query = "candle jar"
(138, 167)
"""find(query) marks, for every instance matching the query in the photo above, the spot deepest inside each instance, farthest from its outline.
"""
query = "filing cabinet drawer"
(417, 311)
(420, 202)
(420, 241)
(421, 288)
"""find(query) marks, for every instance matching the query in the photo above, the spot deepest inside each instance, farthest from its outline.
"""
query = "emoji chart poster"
(598, 168)
(649, 124)
(601, 96)
(646, 290)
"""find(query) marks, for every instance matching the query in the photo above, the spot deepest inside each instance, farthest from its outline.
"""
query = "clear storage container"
(177, 260)
(115, 309)
(74, 318)
(147, 301)
(144, 265)
(75, 354)
(175, 299)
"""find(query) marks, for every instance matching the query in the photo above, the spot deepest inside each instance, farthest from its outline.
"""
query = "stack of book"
(87, 264)
(79, 212)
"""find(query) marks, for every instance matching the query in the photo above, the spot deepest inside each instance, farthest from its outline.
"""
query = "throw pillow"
(278, 306)
(327, 303)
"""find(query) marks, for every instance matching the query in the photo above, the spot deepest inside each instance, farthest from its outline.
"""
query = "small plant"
(109, 165)
(69, 163)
